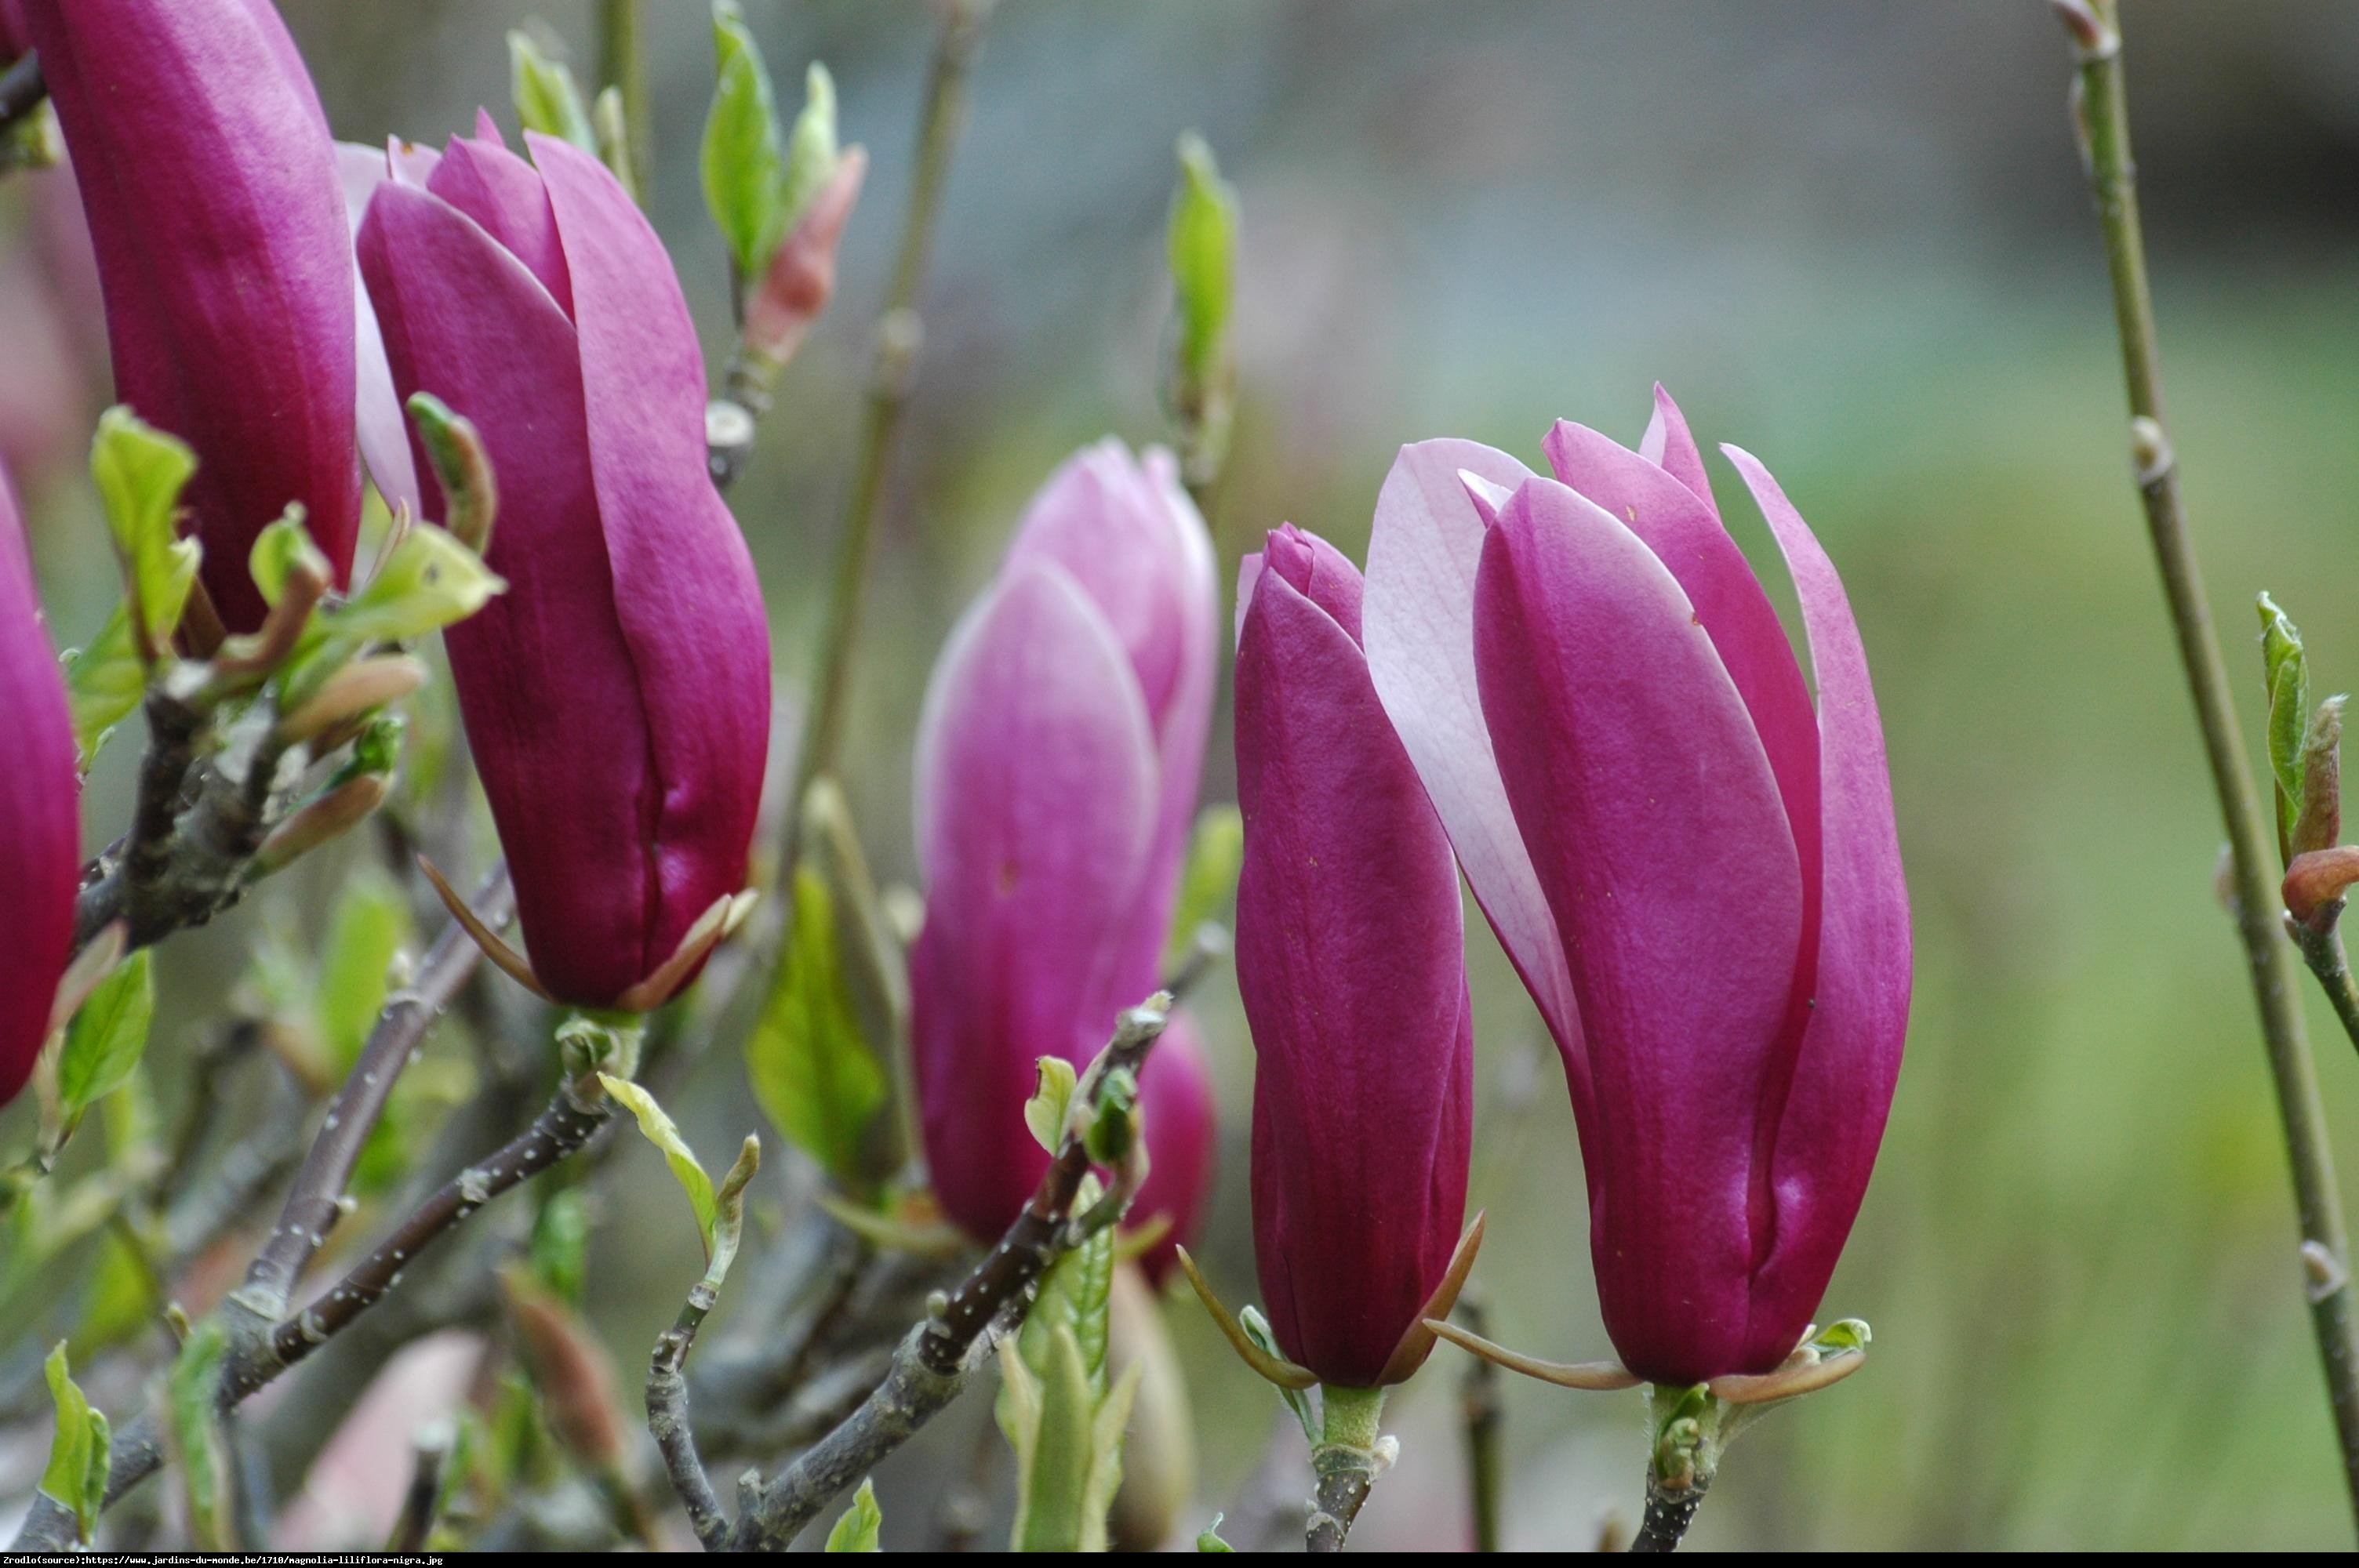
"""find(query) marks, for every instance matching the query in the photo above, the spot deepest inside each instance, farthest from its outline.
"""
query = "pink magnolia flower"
(617, 695)
(40, 792)
(210, 180)
(1056, 780)
(1695, 872)
(1351, 957)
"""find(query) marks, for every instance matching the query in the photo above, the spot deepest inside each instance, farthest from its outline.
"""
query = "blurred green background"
(1852, 237)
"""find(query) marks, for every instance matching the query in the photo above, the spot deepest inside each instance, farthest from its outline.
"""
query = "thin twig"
(934, 1359)
(623, 65)
(2320, 942)
(261, 1351)
(1480, 1409)
(1669, 1514)
(668, 1420)
(2104, 122)
(899, 333)
(315, 1202)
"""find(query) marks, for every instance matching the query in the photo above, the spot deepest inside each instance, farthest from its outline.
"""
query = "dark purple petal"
(1182, 1144)
(1351, 960)
(1833, 1115)
(503, 193)
(1656, 828)
(217, 214)
(40, 848)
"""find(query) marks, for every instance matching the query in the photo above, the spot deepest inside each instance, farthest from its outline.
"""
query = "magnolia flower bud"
(617, 697)
(1351, 959)
(214, 204)
(1696, 874)
(40, 789)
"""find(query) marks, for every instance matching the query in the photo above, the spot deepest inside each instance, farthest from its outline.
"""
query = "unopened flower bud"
(40, 791)
(801, 276)
(572, 1370)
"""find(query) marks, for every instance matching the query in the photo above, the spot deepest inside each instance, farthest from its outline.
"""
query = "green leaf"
(1209, 1537)
(1073, 1296)
(75, 1478)
(105, 682)
(1052, 1091)
(812, 152)
(1201, 246)
(428, 581)
(141, 472)
(1208, 887)
(366, 933)
(121, 1302)
(815, 1074)
(1257, 1329)
(729, 1209)
(462, 467)
(1849, 1334)
(193, 1399)
(279, 550)
(2287, 670)
(106, 1040)
(744, 158)
(858, 1528)
(546, 98)
(558, 1252)
(662, 1133)
(1047, 1420)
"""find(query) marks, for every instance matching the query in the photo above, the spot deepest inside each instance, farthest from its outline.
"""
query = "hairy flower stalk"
(1056, 760)
(210, 181)
(617, 698)
(40, 792)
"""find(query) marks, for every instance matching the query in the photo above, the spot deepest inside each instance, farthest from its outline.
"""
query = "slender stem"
(1344, 1462)
(424, 1499)
(936, 1357)
(1669, 1514)
(668, 1420)
(314, 1202)
(899, 334)
(1480, 1408)
(623, 65)
(2113, 177)
(2322, 950)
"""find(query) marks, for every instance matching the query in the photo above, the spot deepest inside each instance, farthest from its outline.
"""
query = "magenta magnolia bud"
(15, 37)
(210, 181)
(40, 850)
(1695, 873)
(1351, 959)
(1182, 1140)
(1056, 778)
(617, 695)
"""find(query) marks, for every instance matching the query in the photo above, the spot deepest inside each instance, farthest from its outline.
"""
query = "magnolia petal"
(684, 590)
(1654, 824)
(384, 434)
(41, 790)
(1669, 445)
(1422, 556)
(1850, 1059)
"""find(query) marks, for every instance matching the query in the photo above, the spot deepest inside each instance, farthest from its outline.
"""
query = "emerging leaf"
(745, 159)
(812, 151)
(817, 1077)
(546, 98)
(75, 1478)
(1208, 887)
(1201, 247)
(1045, 1113)
(661, 1131)
(193, 1394)
(281, 549)
(104, 1042)
(858, 1528)
(2287, 670)
(141, 472)
(366, 933)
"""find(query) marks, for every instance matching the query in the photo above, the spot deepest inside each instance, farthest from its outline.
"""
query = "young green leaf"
(1201, 247)
(1208, 887)
(75, 1476)
(1052, 1091)
(106, 1040)
(141, 472)
(366, 933)
(661, 1131)
(744, 158)
(2287, 670)
(858, 1528)
(462, 467)
(1048, 1420)
(546, 98)
(815, 1074)
(1209, 1537)
(281, 548)
(558, 1253)
(194, 1400)
(729, 1209)
(430, 580)
(105, 680)
(812, 151)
